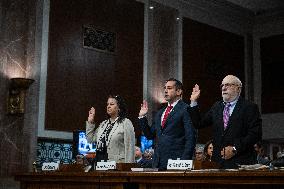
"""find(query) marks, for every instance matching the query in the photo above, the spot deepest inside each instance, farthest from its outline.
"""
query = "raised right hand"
(144, 109)
(195, 93)
(92, 113)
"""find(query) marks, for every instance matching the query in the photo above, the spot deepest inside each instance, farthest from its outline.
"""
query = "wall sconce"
(17, 93)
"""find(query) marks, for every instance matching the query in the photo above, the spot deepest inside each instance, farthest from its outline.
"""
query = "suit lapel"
(235, 113)
(220, 115)
(174, 110)
(160, 113)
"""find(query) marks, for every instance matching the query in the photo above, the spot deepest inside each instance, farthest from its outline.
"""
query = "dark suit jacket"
(175, 140)
(243, 131)
(145, 163)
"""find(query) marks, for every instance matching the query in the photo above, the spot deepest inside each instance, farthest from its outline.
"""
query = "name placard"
(51, 166)
(179, 164)
(106, 165)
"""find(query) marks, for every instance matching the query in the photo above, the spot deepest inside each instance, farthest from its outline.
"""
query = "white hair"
(199, 147)
(238, 81)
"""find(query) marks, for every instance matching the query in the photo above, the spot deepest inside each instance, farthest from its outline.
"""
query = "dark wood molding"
(169, 179)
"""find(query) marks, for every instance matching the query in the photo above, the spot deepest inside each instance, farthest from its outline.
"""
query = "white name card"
(51, 166)
(106, 165)
(179, 164)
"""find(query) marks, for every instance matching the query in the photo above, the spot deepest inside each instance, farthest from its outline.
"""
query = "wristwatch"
(234, 150)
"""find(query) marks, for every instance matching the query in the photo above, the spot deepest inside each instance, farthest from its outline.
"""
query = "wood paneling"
(272, 66)
(154, 180)
(209, 54)
(79, 78)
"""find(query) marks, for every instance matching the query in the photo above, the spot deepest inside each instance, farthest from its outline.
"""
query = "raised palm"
(144, 109)
(92, 113)
(195, 93)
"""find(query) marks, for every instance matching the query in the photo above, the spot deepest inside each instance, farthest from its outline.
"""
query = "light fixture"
(17, 93)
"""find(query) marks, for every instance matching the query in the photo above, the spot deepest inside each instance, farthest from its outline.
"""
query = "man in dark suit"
(236, 124)
(172, 128)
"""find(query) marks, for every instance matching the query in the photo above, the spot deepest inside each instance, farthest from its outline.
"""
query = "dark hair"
(206, 155)
(122, 107)
(178, 84)
(259, 144)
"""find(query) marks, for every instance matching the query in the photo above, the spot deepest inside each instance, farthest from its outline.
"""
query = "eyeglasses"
(228, 85)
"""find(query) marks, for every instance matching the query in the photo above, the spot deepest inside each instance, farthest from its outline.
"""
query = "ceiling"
(259, 6)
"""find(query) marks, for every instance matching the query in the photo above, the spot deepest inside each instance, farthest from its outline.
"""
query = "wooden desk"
(153, 180)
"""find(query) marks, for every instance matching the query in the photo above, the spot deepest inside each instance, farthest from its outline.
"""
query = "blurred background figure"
(280, 154)
(138, 154)
(148, 153)
(199, 149)
(144, 160)
(279, 162)
(147, 159)
(80, 159)
(261, 157)
(208, 150)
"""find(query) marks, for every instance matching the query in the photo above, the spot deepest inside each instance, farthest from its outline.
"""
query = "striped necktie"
(226, 115)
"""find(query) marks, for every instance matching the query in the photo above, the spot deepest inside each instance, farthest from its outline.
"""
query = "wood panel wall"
(79, 78)
(272, 66)
(209, 54)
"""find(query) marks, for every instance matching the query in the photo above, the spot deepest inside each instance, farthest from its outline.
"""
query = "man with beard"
(236, 124)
